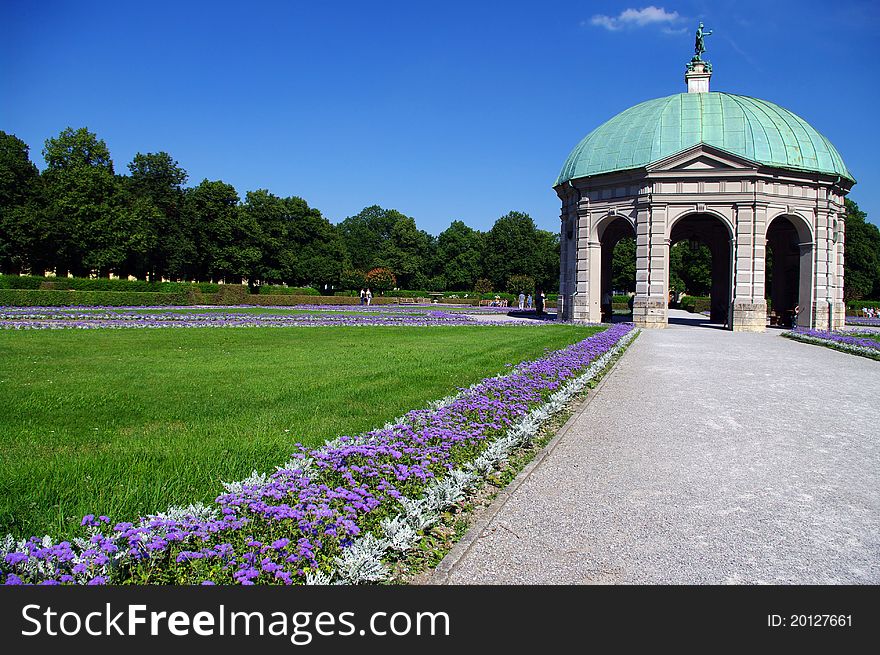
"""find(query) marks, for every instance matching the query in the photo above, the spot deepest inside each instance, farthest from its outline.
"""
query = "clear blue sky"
(453, 110)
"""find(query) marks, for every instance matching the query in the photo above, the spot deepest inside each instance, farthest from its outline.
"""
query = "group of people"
(871, 312)
(366, 296)
(525, 302)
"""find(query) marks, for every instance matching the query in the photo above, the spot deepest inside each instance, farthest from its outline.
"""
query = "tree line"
(80, 216)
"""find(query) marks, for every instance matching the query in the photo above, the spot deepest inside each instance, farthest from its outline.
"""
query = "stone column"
(650, 309)
(749, 307)
(823, 272)
(838, 319)
(580, 302)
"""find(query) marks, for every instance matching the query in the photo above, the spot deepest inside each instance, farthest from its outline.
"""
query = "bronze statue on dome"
(699, 46)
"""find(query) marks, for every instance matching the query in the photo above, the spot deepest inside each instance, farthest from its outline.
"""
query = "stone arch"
(803, 225)
(608, 233)
(706, 212)
(603, 223)
(715, 231)
(789, 237)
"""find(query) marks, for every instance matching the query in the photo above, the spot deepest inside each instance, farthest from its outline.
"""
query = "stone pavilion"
(741, 175)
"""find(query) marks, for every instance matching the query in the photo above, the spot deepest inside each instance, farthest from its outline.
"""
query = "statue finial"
(699, 46)
(698, 69)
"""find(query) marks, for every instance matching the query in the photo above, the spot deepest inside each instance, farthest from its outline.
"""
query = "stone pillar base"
(749, 316)
(650, 312)
(838, 315)
(821, 316)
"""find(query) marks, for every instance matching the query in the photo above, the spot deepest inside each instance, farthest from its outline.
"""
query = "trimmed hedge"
(101, 284)
(276, 290)
(266, 300)
(229, 294)
(50, 298)
(695, 304)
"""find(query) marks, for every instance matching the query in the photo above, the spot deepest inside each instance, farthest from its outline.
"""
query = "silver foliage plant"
(362, 561)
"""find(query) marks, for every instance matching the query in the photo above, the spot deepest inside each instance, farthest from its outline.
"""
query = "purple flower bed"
(321, 511)
(863, 320)
(852, 343)
(54, 319)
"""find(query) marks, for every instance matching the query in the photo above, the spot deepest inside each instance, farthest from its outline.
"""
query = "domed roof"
(751, 128)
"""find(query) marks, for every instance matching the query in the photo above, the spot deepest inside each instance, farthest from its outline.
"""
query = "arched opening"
(701, 247)
(618, 277)
(788, 272)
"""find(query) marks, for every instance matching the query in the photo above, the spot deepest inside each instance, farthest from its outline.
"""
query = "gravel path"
(707, 456)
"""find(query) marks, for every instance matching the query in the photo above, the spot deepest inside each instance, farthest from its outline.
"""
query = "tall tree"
(546, 272)
(862, 256)
(365, 234)
(407, 251)
(225, 237)
(459, 253)
(89, 224)
(387, 238)
(23, 230)
(512, 247)
(298, 245)
(155, 186)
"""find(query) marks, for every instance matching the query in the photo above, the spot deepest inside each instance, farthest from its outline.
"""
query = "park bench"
(493, 303)
(406, 301)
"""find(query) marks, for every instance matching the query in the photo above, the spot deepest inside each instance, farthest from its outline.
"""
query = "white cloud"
(637, 18)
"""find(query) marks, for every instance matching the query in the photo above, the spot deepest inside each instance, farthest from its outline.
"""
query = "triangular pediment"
(701, 158)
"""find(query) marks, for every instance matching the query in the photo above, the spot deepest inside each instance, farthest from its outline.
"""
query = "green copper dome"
(754, 129)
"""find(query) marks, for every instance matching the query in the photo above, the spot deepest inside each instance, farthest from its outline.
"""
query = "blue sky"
(454, 110)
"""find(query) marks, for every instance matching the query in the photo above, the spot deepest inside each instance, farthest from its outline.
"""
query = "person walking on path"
(539, 302)
(363, 296)
(607, 308)
(369, 296)
(522, 300)
(529, 302)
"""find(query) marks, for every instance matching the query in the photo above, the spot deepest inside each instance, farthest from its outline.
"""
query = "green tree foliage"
(862, 256)
(517, 284)
(623, 265)
(483, 286)
(690, 269)
(352, 279)
(225, 236)
(378, 237)
(459, 254)
(365, 234)
(408, 252)
(23, 229)
(88, 222)
(155, 188)
(80, 216)
(510, 249)
(298, 245)
(546, 252)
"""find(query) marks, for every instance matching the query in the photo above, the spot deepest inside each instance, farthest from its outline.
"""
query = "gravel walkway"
(706, 457)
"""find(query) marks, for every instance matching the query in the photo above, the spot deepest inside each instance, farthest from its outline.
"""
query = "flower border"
(304, 502)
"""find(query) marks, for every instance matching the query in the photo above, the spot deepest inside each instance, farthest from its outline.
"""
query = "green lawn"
(128, 422)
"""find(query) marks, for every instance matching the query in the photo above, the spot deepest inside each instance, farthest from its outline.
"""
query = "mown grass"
(128, 422)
